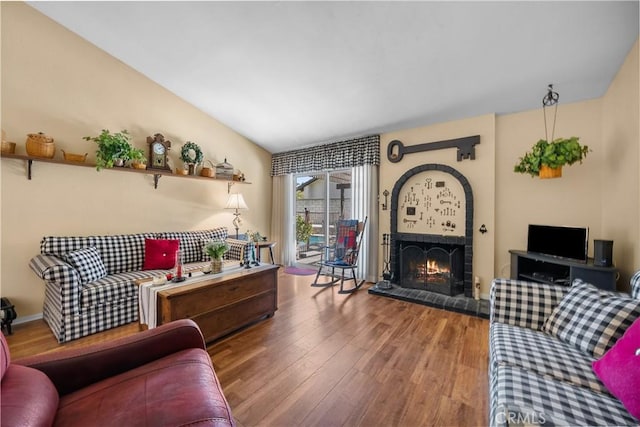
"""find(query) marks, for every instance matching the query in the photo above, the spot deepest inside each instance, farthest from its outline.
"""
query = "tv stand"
(548, 269)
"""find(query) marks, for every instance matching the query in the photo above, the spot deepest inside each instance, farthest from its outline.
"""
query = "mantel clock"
(158, 152)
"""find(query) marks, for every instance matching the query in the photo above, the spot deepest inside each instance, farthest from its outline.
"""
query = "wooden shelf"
(156, 173)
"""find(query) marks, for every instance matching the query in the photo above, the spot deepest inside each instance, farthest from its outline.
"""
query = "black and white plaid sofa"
(76, 305)
(535, 378)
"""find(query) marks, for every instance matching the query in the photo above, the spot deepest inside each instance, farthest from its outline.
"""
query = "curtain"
(364, 196)
(283, 220)
(360, 154)
(337, 155)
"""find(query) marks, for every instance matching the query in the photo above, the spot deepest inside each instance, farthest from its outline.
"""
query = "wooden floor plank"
(327, 359)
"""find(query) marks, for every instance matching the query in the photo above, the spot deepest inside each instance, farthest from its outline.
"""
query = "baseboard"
(25, 319)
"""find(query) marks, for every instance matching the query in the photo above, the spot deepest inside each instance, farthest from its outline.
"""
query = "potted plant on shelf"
(138, 158)
(113, 148)
(216, 250)
(546, 159)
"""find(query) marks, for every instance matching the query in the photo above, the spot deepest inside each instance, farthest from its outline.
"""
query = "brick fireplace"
(432, 231)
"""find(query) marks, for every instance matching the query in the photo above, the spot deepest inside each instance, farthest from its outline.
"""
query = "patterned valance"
(336, 155)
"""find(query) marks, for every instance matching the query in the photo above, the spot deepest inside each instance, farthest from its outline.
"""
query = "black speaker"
(603, 253)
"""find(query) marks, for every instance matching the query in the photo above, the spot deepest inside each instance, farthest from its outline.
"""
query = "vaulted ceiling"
(292, 74)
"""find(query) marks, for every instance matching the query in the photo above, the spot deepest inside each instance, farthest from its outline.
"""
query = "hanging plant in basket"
(191, 153)
(547, 158)
(554, 155)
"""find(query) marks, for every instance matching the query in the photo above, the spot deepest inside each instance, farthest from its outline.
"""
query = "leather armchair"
(159, 377)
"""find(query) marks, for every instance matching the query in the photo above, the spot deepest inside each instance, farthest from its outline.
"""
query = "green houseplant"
(554, 155)
(216, 250)
(113, 148)
(303, 229)
(137, 157)
(303, 233)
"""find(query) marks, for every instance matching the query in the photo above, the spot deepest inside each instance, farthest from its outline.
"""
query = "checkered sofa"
(76, 305)
(536, 378)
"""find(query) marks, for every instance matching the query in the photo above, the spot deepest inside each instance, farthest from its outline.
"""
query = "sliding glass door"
(321, 200)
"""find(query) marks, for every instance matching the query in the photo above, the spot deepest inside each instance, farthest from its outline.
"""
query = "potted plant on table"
(546, 159)
(216, 250)
(114, 149)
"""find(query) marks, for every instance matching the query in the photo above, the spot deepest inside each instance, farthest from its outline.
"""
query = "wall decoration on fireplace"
(432, 202)
(466, 148)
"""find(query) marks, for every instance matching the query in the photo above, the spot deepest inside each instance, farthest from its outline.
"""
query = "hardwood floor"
(327, 359)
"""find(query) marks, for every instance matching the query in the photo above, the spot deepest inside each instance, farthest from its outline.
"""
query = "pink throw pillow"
(619, 369)
(160, 254)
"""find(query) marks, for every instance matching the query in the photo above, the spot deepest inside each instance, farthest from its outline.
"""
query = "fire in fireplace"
(437, 268)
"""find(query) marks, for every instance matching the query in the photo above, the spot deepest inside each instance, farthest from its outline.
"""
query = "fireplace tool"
(386, 271)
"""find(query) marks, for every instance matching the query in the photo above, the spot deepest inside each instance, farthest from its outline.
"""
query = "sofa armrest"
(52, 268)
(635, 285)
(521, 303)
(73, 369)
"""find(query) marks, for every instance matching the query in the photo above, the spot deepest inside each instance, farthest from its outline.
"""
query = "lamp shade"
(236, 201)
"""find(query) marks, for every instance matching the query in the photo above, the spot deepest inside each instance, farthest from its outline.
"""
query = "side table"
(8, 314)
(264, 245)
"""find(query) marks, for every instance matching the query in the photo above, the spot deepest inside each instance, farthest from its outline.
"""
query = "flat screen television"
(563, 242)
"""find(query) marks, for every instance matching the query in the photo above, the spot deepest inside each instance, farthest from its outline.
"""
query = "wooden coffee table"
(223, 303)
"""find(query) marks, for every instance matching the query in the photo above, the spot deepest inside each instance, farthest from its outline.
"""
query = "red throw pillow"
(160, 254)
(619, 369)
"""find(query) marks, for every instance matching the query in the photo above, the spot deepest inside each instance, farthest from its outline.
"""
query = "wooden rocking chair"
(342, 255)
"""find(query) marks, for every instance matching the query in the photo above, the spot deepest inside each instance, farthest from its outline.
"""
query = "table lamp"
(236, 201)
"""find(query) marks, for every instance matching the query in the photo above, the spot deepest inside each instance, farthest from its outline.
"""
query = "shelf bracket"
(156, 178)
(30, 162)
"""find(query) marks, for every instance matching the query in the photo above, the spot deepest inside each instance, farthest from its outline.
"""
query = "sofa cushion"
(60, 245)
(619, 369)
(543, 354)
(520, 395)
(160, 253)
(237, 249)
(191, 242)
(522, 303)
(29, 398)
(112, 289)
(87, 263)
(591, 319)
(155, 394)
(121, 253)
